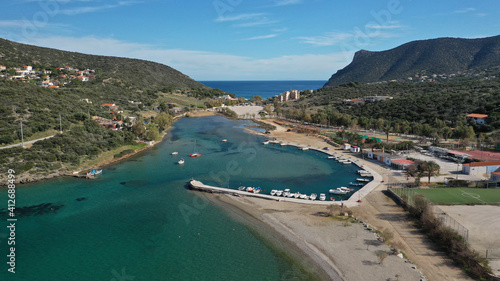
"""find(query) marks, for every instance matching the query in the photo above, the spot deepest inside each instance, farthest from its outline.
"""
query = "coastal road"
(25, 143)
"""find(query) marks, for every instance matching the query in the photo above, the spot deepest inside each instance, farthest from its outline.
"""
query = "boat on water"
(322, 197)
(362, 180)
(195, 154)
(366, 175)
(363, 172)
(224, 140)
(296, 194)
(346, 188)
(257, 190)
(313, 196)
(94, 172)
(265, 142)
(303, 196)
(331, 157)
(279, 192)
(241, 188)
(181, 162)
(304, 148)
(356, 183)
(273, 192)
(283, 144)
(250, 189)
(290, 195)
(175, 153)
(337, 191)
(346, 162)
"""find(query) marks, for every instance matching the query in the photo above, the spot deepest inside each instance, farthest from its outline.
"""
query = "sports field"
(457, 196)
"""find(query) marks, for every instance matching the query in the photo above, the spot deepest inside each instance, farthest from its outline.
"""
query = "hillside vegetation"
(424, 57)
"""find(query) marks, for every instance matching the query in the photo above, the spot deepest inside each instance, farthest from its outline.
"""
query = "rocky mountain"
(423, 57)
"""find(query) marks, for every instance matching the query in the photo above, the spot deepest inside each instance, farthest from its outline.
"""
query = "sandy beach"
(346, 250)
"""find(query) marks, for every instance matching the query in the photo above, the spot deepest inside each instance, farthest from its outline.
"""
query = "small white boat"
(283, 144)
(313, 196)
(337, 191)
(331, 157)
(304, 148)
(256, 190)
(273, 192)
(175, 153)
(266, 142)
(356, 183)
(303, 196)
(362, 180)
(241, 188)
(224, 140)
(322, 197)
(346, 188)
(291, 195)
(296, 194)
(181, 162)
(250, 189)
(361, 172)
(346, 162)
(279, 192)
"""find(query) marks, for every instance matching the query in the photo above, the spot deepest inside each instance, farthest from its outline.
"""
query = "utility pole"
(60, 123)
(22, 134)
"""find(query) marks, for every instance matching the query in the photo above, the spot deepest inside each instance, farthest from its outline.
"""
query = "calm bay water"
(138, 219)
(265, 89)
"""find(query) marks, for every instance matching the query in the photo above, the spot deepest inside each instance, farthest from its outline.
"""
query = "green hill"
(424, 57)
(130, 72)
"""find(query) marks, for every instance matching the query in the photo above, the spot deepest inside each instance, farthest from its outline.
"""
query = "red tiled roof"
(475, 115)
(482, 164)
(403, 161)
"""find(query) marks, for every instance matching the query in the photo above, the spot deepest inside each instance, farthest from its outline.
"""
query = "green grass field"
(458, 196)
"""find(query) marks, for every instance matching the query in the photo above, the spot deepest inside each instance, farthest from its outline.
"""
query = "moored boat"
(313, 196)
(362, 180)
(356, 183)
(279, 192)
(337, 191)
(256, 190)
(241, 188)
(273, 192)
(346, 162)
(250, 189)
(175, 153)
(303, 196)
(322, 197)
(181, 161)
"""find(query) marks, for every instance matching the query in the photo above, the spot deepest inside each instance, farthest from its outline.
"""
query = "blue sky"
(243, 39)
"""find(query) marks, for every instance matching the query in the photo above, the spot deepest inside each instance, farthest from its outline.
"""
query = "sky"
(243, 39)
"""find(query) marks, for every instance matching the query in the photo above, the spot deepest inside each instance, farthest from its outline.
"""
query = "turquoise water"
(138, 219)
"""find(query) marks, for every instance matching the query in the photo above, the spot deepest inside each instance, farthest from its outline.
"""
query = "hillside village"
(47, 78)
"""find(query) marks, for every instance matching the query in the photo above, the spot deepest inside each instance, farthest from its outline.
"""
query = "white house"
(480, 168)
(346, 146)
(355, 149)
(479, 119)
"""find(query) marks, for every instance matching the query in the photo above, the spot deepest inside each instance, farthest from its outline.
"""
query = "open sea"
(265, 89)
(138, 221)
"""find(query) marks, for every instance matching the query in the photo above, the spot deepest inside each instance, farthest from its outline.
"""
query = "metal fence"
(407, 196)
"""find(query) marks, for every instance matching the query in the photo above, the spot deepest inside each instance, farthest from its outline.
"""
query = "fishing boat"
(346, 162)
(313, 196)
(356, 183)
(279, 192)
(250, 189)
(175, 153)
(290, 195)
(337, 191)
(346, 188)
(94, 173)
(322, 197)
(286, 192)
(257, 190)
(181, 162)
(362, 180)
(303, 196)
(224, 140)
(195, 154)
(296, 194)
(273, 192)
(241, 188)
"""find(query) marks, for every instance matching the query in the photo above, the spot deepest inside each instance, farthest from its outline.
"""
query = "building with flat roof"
(481, 168)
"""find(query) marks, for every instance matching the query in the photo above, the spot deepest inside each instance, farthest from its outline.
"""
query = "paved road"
(26, 142)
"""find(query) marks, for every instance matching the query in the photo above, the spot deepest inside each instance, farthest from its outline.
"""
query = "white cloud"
(91, 9)
(263, 21)
(287, 2)
(391, 25)
(239, 17)
(466, 10)
(328, 39)
(261, 37)
(203, 65)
